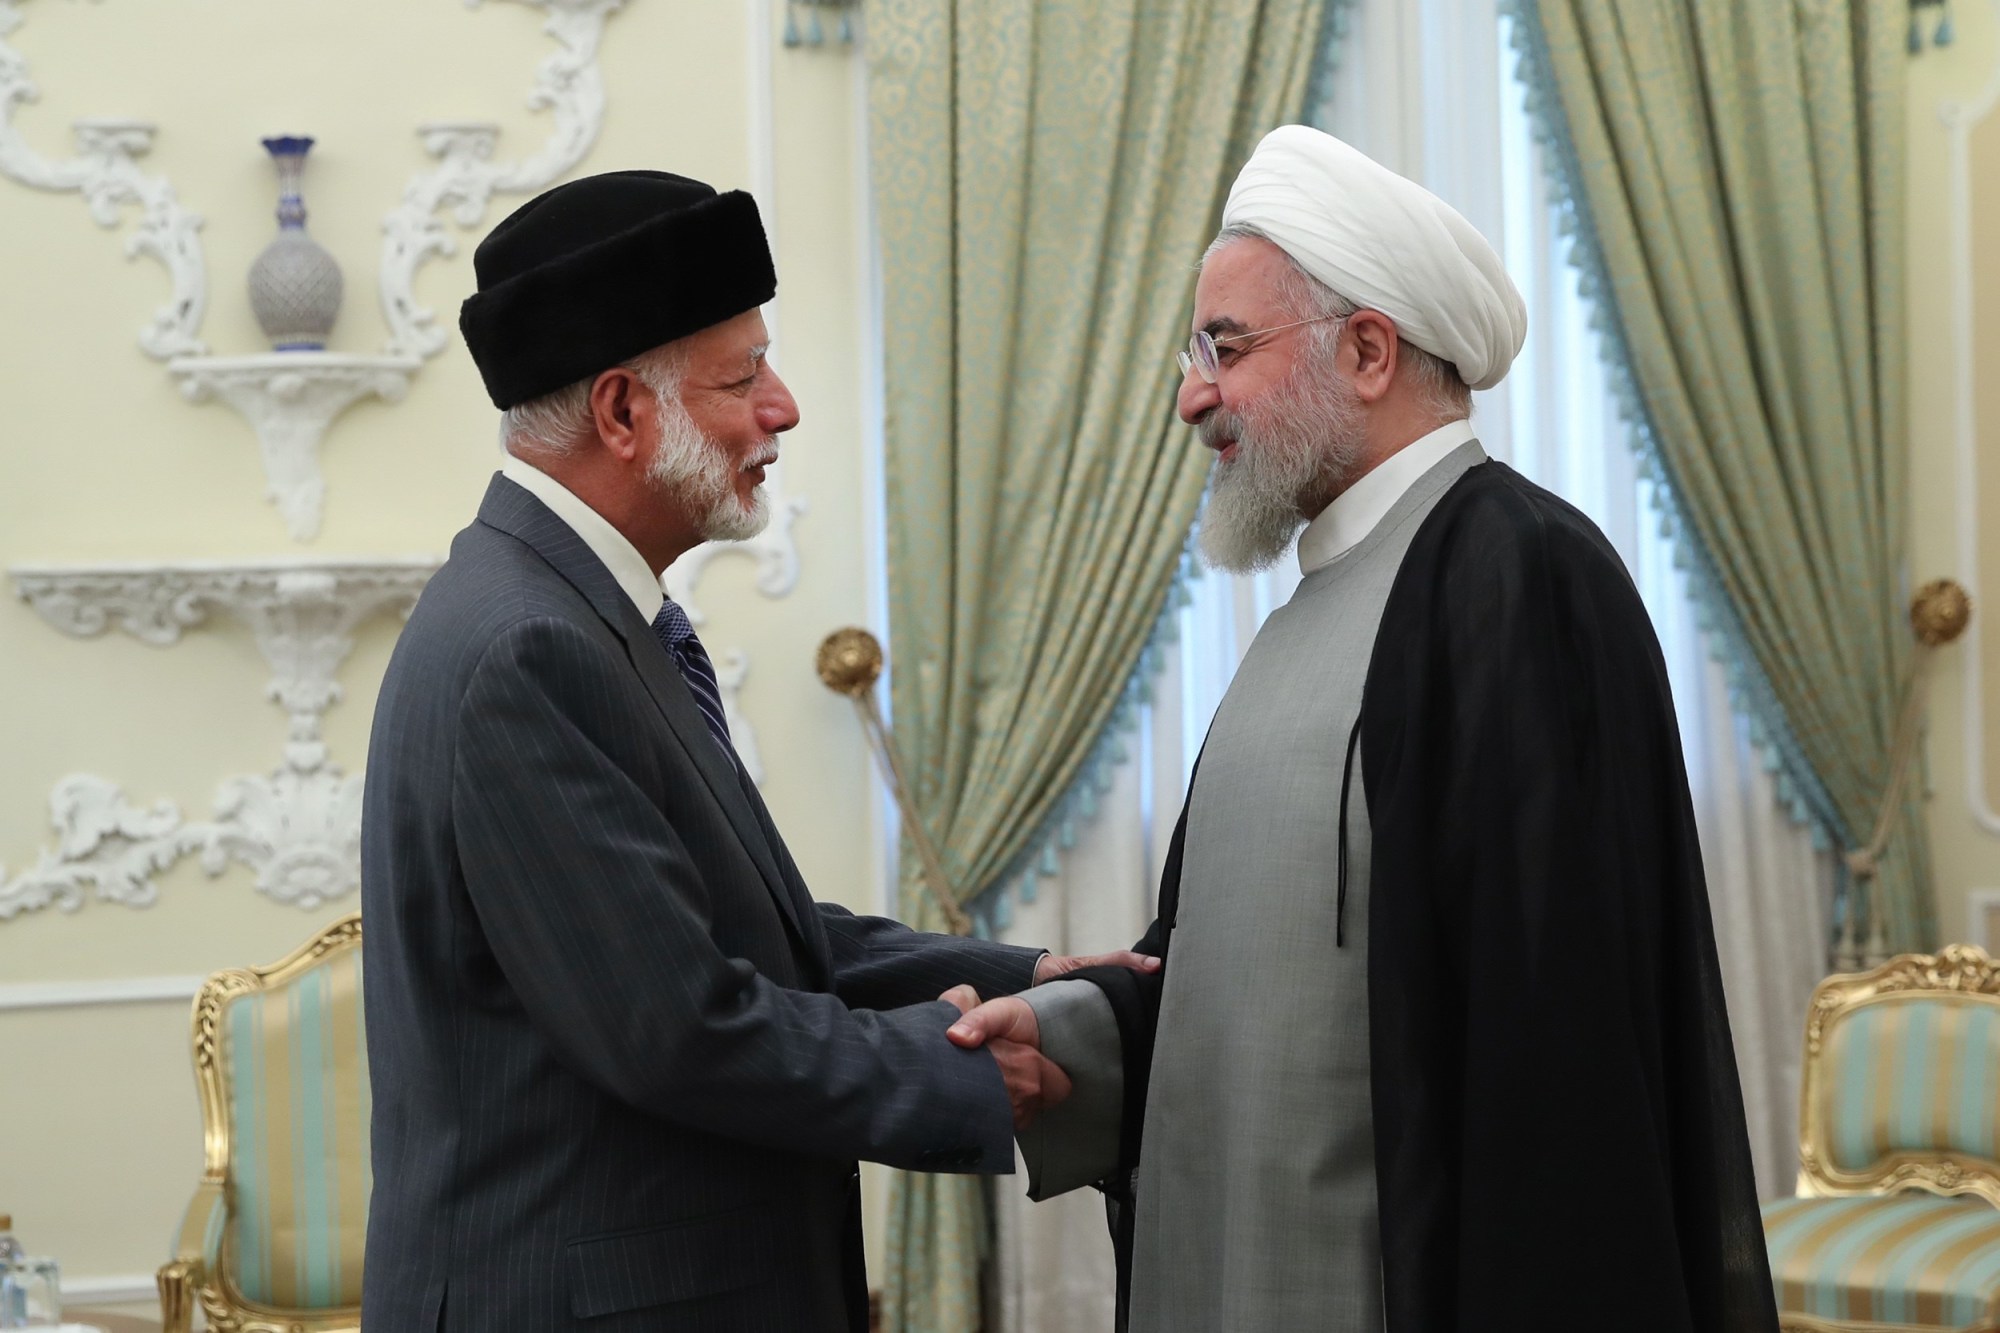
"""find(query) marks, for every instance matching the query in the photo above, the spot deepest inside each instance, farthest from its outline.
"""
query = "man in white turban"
(1439, 1043)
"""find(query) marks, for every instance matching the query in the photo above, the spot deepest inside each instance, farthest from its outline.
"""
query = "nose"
(1197, 397)
(778, 410)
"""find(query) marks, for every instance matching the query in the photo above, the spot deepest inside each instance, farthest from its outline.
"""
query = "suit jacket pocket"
(630, 1270)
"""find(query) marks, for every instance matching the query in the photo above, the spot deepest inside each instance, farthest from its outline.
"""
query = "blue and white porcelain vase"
(295, 285)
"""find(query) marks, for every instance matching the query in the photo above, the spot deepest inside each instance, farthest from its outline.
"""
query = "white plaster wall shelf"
(297, 827)
(289, 399)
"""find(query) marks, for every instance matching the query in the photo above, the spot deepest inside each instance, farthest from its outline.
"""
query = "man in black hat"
(622, 1063)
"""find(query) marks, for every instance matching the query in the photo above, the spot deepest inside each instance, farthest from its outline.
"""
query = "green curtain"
(1046, 174)
(1735, 167)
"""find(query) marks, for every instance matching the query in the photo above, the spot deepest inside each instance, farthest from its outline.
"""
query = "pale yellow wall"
(1967, 856)
(100, 459)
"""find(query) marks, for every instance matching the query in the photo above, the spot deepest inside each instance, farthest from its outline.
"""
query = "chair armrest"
(196, 1250)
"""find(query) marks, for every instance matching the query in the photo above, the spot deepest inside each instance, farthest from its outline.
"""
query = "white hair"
(554, 424)
(1441, 391)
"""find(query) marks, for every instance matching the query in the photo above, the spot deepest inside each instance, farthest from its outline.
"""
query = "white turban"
(1384, 242)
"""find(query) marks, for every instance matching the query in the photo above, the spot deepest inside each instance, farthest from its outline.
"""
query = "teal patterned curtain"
(1734, 174)
(1046, 175)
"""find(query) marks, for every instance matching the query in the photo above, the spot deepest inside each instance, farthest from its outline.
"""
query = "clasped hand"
(1007, 1026)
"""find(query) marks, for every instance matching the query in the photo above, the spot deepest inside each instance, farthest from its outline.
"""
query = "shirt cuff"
(1076, 1142)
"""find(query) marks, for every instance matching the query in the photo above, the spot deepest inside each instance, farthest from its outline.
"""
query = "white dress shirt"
(607, 543)
(1354, 513)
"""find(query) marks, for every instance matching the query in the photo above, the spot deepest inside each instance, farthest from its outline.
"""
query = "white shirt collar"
(1341, 526)
(607, 543)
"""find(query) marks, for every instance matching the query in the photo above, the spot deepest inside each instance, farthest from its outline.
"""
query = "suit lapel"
(808, 917)
(514, 511)
(663, 681)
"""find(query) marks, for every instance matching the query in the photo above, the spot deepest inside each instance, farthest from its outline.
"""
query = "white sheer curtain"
(1428, 88)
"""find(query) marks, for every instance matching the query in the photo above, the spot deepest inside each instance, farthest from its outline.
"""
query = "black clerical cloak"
(1559, 1133)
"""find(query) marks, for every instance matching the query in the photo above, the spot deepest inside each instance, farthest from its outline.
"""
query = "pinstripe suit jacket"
(622, 1063)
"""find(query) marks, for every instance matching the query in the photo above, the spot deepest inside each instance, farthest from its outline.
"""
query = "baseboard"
(117, 990)
(112, 1289)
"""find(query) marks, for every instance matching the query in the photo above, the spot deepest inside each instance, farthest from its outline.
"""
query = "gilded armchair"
(1896, 1224)
(272, 1241)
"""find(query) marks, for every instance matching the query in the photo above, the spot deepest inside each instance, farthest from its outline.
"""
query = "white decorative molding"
(114, 1289)
(83, 1293)
(291, 405)
(570, 84)
(289, 399)
(1979, 908)
(298, 827)
(106, 173)
(81, 994)
(774, 550)
(1959, 120)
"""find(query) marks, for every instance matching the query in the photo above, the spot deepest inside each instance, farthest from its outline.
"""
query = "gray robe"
(1256, 1191)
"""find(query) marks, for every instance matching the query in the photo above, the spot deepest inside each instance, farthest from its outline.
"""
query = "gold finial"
(849, 661)
(1939, 612)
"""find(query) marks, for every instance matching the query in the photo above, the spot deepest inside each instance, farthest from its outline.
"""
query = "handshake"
(1007, 1026)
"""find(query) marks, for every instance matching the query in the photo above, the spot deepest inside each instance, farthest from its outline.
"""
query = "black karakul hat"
(595, 272)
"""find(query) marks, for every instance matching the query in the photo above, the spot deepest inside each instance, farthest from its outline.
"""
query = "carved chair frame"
(1960, 970)
(185, 1280)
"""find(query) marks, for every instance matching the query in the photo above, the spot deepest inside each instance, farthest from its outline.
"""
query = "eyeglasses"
(1200, 354)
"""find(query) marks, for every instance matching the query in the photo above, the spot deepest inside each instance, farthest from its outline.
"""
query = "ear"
(1377, 347)
(622, 410)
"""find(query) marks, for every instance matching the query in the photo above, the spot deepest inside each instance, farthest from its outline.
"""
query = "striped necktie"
(677, 636)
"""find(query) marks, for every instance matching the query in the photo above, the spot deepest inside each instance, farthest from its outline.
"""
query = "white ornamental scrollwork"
(774, 550)
(105, 172)
(292, 411)
(570, 86)
(298, 827)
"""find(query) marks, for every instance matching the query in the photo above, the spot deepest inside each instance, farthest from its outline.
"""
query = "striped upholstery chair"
(1897, 1221)
(272, 1242)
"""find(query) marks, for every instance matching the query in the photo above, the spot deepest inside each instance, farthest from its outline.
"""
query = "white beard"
(1300, 440)
(695, 471)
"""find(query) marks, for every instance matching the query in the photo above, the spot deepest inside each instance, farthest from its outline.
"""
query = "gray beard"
(1300, 443)
(692, 470)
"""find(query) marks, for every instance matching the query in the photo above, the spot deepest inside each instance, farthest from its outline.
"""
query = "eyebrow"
(1222, 326)
(757, 353)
